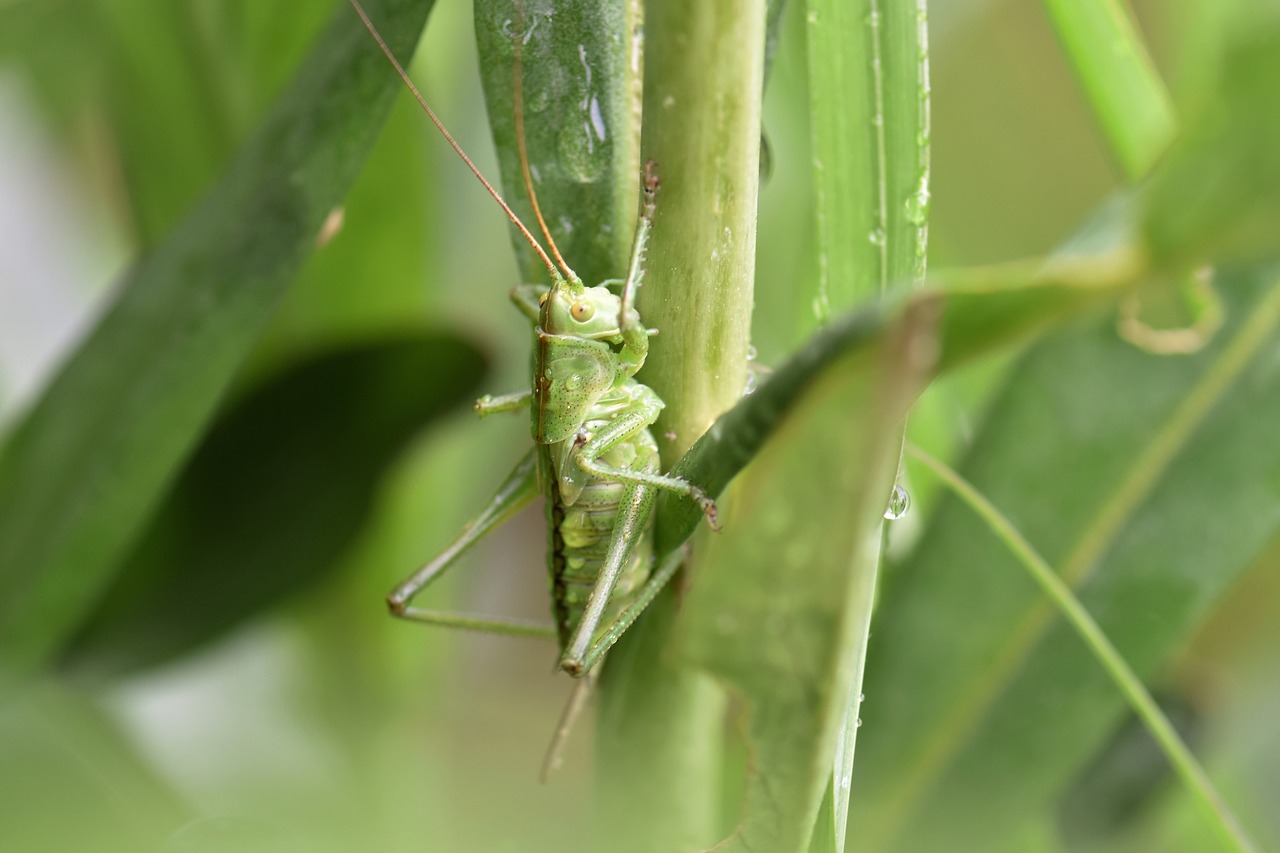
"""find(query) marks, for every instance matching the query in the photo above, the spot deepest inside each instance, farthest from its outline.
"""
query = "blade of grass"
(1127, 96)
(1215, 809)
(869, 127)
(869, 130)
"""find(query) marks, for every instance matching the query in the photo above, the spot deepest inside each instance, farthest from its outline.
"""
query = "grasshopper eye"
(542, 297)
(582, 311)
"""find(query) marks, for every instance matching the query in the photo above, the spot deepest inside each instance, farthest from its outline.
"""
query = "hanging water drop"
(751, 383)
(899, 503)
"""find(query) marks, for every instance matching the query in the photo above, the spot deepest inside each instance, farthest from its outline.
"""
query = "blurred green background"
(318, 722)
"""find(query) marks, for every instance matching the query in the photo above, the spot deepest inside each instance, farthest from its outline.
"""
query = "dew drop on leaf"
(899, 503)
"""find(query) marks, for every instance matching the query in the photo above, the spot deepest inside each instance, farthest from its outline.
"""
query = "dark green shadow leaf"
(84, 470)
(275, 494)
(1149, 482)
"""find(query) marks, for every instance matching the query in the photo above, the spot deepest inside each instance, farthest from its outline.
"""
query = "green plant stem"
(1119, 80)
(660, 723)
(1131, 686)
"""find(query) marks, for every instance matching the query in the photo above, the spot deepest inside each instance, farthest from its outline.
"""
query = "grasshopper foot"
(707, 505)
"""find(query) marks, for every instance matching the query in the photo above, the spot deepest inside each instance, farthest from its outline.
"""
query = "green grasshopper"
(594, 458)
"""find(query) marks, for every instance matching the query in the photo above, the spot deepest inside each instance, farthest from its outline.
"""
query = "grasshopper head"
(573, 309)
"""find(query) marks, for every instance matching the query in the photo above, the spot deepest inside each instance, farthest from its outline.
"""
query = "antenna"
(422, 102)
(517, 41)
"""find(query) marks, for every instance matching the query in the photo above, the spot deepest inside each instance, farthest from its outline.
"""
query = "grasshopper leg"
(634, 510)
(491, 404)
(572, 710)
(625, 426)
(528, 298)
(516, 491)
(659, 579)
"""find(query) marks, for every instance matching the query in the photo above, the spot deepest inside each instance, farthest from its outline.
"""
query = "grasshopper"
(594, 458)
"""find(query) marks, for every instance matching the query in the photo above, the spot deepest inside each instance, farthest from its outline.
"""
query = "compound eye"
(542, 297)
(582, 311)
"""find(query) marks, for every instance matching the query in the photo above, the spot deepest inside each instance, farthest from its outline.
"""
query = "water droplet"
(858, 723)
(918, 203)
(899, 503)
(862, 697)
(597, 120)
(751, 352)
(845, 781)
(751, 383)
(876, 236)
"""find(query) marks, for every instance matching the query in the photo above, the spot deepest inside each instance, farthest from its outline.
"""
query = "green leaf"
(278, 490)
(1217, 195)
(83, 471)
(1148, 482)
(782, 602)
(198, 68)
(581, 115)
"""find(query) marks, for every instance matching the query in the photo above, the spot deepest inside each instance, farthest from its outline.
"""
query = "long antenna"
(518, 108)
(404, 75)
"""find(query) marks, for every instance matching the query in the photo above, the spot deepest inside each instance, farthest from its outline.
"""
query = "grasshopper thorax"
(575, 359)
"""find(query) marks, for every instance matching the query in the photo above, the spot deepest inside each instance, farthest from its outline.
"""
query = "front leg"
(528, 298)
(492, 405)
